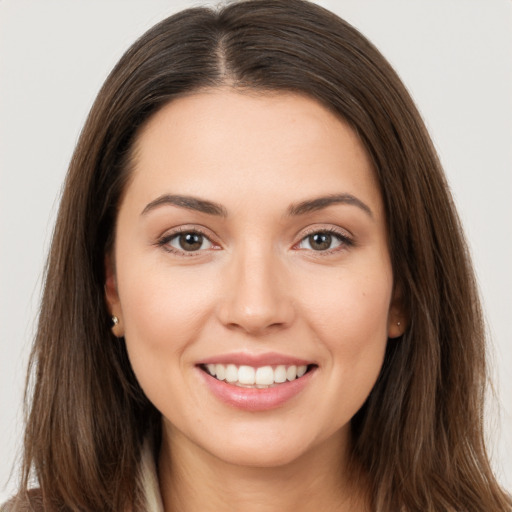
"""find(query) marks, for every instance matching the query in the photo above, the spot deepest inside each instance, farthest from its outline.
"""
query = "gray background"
(455, 56)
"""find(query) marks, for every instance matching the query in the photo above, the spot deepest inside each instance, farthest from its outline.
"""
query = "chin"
(269, 447)
(260, 456)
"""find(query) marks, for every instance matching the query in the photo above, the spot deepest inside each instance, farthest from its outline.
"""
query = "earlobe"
(397, 321)
(395, 329)
(112, 298)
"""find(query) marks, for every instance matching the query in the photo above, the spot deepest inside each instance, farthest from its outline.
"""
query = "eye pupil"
(320, 241)
(191, 241)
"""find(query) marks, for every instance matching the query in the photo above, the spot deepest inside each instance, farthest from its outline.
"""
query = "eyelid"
(164, 239)
(346, 238)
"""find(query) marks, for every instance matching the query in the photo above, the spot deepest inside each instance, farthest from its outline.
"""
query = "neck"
(193, 479)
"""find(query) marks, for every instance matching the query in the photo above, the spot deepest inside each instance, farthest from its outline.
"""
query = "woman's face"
(250, 247)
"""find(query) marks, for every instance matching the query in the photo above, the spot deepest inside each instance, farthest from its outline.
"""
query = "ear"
(112, 297)
(397, 318)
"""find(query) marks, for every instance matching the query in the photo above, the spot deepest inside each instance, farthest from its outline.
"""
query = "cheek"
(163, 312)
(350, 320)
(350, 323)
(351, 306)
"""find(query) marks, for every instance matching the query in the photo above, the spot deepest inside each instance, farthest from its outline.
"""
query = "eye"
(188, 241)
(323, 241)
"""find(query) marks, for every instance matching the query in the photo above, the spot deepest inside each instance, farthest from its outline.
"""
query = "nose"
(257, 297)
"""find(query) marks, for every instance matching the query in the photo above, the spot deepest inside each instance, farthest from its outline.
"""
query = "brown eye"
(320, 241)
(323, 241)
(190, 242)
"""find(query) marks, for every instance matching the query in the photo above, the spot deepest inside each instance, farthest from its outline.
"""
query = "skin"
(258, 286)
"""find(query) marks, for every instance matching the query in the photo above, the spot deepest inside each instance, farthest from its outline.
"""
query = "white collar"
(149, 480)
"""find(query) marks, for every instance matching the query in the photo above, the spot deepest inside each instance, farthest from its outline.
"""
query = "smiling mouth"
(261, 377)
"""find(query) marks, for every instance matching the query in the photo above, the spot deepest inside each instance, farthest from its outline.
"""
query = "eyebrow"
(319, 203)
(212, 208)
(189, 202)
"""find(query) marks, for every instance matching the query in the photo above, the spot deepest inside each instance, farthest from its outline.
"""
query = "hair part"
(419, 436)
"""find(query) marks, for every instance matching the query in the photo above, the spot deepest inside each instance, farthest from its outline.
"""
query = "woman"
(258, 293)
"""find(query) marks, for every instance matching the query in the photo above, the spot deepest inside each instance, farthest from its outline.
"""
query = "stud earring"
(115, 320)
(398, 323)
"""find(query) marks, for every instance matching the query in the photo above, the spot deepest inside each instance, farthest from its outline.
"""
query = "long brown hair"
(419, 436)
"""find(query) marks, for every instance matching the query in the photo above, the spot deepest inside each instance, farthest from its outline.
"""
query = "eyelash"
(163, 242)
(345, 240)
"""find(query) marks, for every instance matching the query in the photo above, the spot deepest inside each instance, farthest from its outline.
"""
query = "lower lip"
(253, 399)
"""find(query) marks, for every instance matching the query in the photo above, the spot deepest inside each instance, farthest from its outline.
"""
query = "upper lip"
(255, 360)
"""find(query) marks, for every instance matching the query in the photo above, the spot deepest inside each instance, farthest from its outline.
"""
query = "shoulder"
(30, 501)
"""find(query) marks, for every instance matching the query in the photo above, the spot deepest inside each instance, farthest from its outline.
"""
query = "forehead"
(222, 141)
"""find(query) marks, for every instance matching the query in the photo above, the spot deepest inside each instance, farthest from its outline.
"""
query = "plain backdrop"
(455, 56)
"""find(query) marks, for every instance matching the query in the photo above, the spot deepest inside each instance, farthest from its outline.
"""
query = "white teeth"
(264, 376)
(220, 371)
(291, 372)
(280, 374)
(261, 377)
(246, 375)
(231, 373)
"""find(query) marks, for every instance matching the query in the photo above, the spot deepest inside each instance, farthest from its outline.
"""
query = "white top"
(149, 481)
